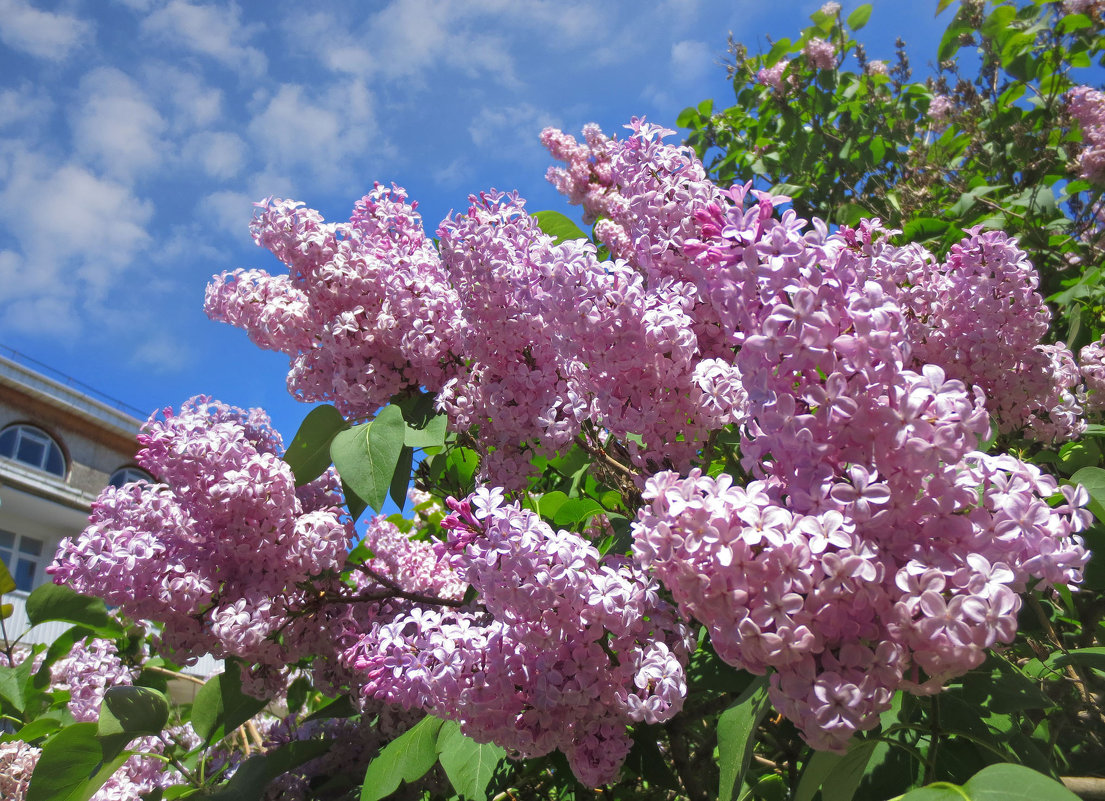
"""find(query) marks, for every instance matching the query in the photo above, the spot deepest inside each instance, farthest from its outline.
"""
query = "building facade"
(59, 448)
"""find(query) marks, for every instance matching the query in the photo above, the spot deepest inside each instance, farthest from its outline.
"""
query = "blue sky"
(135, 134)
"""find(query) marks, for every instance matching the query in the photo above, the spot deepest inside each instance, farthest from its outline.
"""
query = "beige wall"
(92, 456)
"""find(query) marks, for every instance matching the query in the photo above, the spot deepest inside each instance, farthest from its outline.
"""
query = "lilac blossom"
(1087, 106)
(564, 650)
(218, 551)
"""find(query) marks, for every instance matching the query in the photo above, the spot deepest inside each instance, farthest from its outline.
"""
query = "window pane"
(31, 452)
(24, 575)
(6, 557)
(55, 463)
(30, 545)
(7, 539)
(33, 447)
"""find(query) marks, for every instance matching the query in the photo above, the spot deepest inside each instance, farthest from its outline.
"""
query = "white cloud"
(691, 60)
(25, 104)
(115, 127)
(320, 134)
(511, 130)
(408, 39)
(454, 174)
(78, 236)
(160, 352)
(229, 212)
(210, 31)
(192, 104)
(219, 154)
(41, 33)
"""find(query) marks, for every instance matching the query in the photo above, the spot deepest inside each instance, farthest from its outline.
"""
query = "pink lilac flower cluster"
(877, 68)
(940, 109)
(560, 344)
(17, 763)
(820, 54)
(564, 650)
(368, 599)
(1087, 7)
(1087, 106)
(1091, 363)
(525, 340)
(587, 177)
(1031, 387)
(848, 604)
(219, 550)
(411, 562)
(87, 673)
(773, 76)
(978, 315)
(842, 417)
(365, 312)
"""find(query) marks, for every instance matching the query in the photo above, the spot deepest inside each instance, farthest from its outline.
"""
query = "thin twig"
(256, 735)
(174, 674)
(605, 458)
(393, 590)
(245, 740)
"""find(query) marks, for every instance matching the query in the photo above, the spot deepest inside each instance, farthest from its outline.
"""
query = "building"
(60, 445)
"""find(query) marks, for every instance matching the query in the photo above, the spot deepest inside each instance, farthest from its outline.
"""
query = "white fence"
(19, 627)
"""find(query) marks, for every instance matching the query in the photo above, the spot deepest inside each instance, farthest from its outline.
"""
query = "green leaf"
(297, 694)
(778, 50)
(353, 502)
(366, 455)
(468, 764)
(559, 227)
(7, 583)
(549, 503)
(15, 683)
(407, 758)
(59, 602)
(341, 707)
(949, 42)
(6, 611)
(71, 766)
(736, 730)
(418, 409)
(34, 730)
(858, 18)
(220, 705)
(254, 775)
(1090, 657)
(431, 435)
(128, 712)
(942, 5)
(1008, 782)
(1093, 479)
(923, 228)
(845, 777)
(938, 791)
(576, 510)
(309, 453)
(819, 767)
(401, 478)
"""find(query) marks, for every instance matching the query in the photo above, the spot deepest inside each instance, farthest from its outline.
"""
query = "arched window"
(32, 446)
(128, 475)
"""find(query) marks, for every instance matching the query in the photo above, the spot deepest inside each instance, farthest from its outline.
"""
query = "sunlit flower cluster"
(217, 552)
(562, 651)
(1087, 106)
